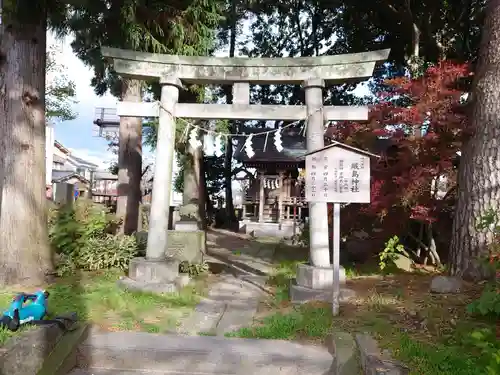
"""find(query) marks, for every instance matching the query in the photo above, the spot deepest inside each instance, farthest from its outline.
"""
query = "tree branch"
(145, 170)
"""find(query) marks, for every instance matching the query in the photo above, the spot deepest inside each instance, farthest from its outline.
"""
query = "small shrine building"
(273, 203)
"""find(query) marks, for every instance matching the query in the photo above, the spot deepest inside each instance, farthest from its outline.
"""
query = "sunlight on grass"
(281, 277)
(305, 321)
(438, 358)
(95, 297)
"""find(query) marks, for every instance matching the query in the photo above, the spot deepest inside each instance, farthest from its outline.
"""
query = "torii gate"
(312, 72)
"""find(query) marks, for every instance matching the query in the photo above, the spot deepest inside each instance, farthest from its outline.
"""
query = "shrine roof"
(345, 147)
(293, 142)
(294, 147)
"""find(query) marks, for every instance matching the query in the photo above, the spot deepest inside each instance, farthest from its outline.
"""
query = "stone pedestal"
(155, 276)
(317, 277)
(316, 284)
(63, 193)
(187, 226)
(186, 245)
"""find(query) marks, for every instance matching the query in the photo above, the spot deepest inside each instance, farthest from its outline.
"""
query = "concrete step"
(95, 371)
(171, 354)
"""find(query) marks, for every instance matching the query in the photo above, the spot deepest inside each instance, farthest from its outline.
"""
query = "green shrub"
(303, 237)
(489, 346)
(488, 303)
(71, 227)
(84, 237)
(393, 248)
(193, 269)
(100, 253)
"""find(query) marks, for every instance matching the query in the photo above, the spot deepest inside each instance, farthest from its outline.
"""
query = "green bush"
(193, 269)
(70, 227)
(489, 346)
(303, 237)
(392, 250)
(84, 238)
(488, 303)
(100, 253)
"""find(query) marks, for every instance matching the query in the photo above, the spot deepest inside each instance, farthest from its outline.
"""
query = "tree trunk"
(479, 170)
(130, 161)
(25, 255)
(228, 159)
(202, 191)
(191, 195)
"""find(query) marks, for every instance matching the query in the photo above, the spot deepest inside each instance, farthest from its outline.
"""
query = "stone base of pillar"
(186, 225)
(317, 277)
(300, 294)
(153, 276)
(316, 284)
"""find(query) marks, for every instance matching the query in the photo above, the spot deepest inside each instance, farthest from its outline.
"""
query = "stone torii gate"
(172, 71)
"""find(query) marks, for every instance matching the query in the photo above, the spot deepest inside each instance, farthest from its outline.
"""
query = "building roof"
(83, 161)
(294, 147)
(104, 175)
(61, 147)
(61, 176)
(345, 147)
(59, 159)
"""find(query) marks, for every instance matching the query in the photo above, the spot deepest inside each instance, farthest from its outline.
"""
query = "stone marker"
(186, 245)
(446, 284)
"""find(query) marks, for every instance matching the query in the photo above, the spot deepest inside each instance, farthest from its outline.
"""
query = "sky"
(77, 134)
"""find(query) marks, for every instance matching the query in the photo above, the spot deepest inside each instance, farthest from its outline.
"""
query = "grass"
(304, 323)
(97, 299)
(432, 334)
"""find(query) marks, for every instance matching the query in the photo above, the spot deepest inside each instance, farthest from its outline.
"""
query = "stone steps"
(135, 353)
(142, 353)
(94, 371)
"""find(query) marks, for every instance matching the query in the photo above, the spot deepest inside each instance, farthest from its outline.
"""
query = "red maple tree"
(417, 127)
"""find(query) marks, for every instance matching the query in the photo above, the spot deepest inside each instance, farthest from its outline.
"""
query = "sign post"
(337, 174)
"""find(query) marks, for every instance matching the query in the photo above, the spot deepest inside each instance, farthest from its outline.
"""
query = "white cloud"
(80, 74)
(102, 159)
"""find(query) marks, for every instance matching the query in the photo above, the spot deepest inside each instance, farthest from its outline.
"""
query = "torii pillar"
(162, 183)
(315, 280)
(156, 273)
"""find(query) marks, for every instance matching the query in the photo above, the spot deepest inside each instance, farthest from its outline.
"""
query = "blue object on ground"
(32, 309)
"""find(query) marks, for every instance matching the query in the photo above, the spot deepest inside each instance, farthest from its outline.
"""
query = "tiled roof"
(59, 159)
(294, 147)
(59, 176)
(104, 175)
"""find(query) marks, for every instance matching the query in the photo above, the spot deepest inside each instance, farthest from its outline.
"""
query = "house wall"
(49, 152)
(78, 184)
(105, 187)
(60, 153)
(70, 163)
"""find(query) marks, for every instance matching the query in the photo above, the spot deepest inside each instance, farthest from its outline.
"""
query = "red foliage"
(402, 177)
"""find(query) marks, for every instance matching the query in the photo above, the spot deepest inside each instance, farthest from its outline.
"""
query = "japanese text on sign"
(338, 175)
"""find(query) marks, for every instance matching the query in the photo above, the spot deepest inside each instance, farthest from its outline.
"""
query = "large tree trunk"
(25, 256)
(228, 159)
(192, 194)
(479, 170)
(203, 191)
(130, 161)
